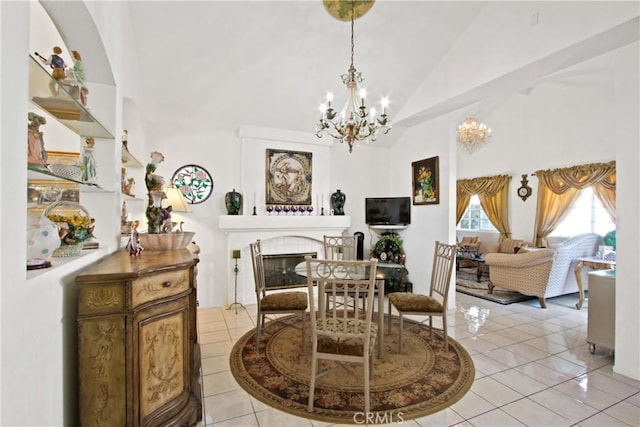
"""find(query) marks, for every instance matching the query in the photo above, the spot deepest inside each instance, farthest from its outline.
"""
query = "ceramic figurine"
(89, 173)
(36, 152)
(158, 218)
(74, 79)
(134, 241)
(58, 66)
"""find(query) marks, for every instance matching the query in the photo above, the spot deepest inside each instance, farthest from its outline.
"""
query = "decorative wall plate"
(194, 182)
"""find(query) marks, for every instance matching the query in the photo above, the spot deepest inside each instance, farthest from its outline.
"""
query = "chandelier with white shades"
(473, 134)
(354, 123)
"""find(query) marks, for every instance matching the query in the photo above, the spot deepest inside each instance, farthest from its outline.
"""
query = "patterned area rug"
(422, 380)
(467, 283)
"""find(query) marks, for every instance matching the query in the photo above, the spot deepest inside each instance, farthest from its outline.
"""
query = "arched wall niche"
(79, 32)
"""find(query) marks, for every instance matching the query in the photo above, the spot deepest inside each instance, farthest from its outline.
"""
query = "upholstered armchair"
(526, 272)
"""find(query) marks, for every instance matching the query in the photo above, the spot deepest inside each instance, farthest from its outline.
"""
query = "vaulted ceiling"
(224, 64)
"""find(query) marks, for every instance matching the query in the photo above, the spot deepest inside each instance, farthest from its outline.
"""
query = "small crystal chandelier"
(354, 123)
(473, 134)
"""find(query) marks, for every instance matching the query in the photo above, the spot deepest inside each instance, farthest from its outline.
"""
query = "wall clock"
(194, 182)
(524, 191)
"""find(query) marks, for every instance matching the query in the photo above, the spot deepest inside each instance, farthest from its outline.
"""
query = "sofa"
(524, 271)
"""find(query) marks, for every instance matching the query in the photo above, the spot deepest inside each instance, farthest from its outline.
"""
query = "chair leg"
(444, 331)
(259, 325)
(400, 334)
(312, 382)
(389, 319)
(304, 340)
(367, 372)
(543, 302)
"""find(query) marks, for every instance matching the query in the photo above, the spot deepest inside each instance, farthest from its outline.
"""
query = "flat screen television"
(388, 210)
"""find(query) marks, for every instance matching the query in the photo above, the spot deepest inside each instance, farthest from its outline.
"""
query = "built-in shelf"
(41, 172)
(388, 227)
(70, 264)
(63, 106)
(129, 197)
(129, 160)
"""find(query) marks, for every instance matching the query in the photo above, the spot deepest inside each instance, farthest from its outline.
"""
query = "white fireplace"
(279, 234)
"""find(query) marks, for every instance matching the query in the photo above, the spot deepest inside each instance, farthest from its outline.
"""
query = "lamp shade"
(176, 200)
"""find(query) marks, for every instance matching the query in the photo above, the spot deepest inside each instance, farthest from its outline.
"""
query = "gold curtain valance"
(487, 185)
(579, 177)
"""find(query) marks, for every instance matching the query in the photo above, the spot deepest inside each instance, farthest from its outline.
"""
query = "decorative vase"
(233, 202)
(42, 241)
(337, 202)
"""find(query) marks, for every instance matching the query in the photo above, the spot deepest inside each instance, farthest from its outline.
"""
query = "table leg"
(578, 272)
(380, 319)
(479, 266)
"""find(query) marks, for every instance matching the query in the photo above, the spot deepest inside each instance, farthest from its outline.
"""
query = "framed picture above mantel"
(288, 177)
(425, 181)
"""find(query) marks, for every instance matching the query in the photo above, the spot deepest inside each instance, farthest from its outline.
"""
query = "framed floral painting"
(288, 177)
(425, 180)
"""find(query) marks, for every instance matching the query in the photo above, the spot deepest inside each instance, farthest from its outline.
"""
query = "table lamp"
(178, 203)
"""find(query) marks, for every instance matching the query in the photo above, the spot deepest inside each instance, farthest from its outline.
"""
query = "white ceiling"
(223, 64)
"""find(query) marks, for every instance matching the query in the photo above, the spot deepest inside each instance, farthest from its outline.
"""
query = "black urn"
(233, 202)
(337, 202)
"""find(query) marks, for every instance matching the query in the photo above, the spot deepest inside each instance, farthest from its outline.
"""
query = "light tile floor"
(533, 368)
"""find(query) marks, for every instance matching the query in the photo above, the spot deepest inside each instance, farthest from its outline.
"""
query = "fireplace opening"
(279, 270)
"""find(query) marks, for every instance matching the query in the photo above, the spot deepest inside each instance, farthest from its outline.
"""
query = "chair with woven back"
(276, 302)
(341, 333)
(432, 305)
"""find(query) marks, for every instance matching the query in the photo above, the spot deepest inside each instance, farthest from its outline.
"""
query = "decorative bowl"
(165, 241)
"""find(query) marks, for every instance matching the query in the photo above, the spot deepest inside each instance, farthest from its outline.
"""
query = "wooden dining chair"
(274, 303)
(341, 333)
(432, 305)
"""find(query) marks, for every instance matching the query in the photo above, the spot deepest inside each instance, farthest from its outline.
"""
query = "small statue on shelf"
(134, 241)
(126, 225)
(36, 152)
(89, 173)
(58, 66)
(74, 78)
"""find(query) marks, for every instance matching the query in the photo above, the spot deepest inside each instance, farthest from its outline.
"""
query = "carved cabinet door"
(162, 359)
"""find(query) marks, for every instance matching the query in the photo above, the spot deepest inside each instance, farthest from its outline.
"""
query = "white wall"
(557, 124)
(37, 384)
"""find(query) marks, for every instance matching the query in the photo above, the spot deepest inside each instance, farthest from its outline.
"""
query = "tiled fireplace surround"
(278, 235)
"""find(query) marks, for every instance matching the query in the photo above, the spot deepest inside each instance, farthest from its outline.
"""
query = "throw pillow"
(507, 246)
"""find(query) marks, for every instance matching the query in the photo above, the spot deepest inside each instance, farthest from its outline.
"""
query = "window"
(587, 215)
(475, 218)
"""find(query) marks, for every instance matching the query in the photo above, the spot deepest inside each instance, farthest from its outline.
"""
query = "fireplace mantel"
(281, 223)
(279, 234)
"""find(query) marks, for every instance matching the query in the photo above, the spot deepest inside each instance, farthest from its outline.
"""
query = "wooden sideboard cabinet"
(138, 351)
